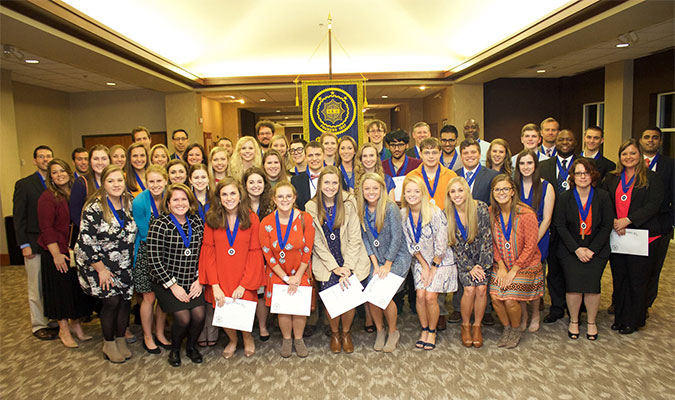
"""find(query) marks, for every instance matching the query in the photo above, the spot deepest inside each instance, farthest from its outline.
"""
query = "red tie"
(647, 162)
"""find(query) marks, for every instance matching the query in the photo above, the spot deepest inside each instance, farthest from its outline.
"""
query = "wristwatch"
(433, 263)
(286, 278)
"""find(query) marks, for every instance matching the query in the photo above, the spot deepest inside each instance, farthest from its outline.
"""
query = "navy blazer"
(549, 171)
(27, 191)
(603, 165)
(483, 183)
(566, 220)
(664, 169)
(301, 184)
(645, 203)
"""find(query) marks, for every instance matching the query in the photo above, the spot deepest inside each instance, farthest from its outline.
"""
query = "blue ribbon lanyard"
(473, 177)
(307, 170)
(432, 191)
(42, 180)
(460, 226)
(371, 227)
(114, 213)
(231, 236)
(350, 181)
(452, 162)
(417, 153)
(506, 230)
(653, 162)
(626, 186)
(401, 171)
(155, 212)
(96, 183)
(583, 211)
(282, 243)
(139, 181)
(417, 233)
(330, 218)
(553, 154)
(596, 157)
(564, 173)
(186, 239)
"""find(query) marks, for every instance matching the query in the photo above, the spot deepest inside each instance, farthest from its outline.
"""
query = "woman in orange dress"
(287, 238)
(231, 263)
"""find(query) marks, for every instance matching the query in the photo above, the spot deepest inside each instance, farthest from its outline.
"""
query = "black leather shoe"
(156, 350)
(488, 319)
(309, 331)
(617, 327)
(551, 318)
(46, 334)
(174, 358)
(194, 355)
(627, 330)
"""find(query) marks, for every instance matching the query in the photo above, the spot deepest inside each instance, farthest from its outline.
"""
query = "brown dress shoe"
(442, 323)
(477, 336)
(467, 340)
(335, 342)
(46, 334)
(347, 344)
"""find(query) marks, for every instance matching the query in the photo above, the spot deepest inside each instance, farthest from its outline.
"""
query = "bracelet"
(285, 279)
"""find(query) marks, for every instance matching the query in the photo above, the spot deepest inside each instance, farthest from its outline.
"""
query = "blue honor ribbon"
(417, 153)
(473, 177)
(350, 181)
(282, 243)
(139, 181)
(155, 212)
(116, 215)
(564, 173)
(231, 236)
(625, 186)
(417, 233)
(401, 171)
(452, 162)
(372, 229)
(42, 180)
(432, 191)
(460, 226)
(506, 230)
(186, 239)
(330, 220)
(583, 211)
(653, 162)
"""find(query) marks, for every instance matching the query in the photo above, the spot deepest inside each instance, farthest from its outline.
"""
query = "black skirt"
(170, 303)
(62, 295)
(583, 277)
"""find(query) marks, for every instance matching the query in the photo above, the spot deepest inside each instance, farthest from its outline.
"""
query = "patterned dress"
(478, 252)
(298, 249)
(528, 283)
(109, 243)
(433, 243)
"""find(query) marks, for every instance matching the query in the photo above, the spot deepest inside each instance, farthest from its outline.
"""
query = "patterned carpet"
(546, 365)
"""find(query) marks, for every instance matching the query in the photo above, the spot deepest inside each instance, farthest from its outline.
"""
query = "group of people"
(188, 231)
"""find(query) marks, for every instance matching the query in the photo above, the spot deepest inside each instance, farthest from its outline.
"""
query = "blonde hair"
(339, 196)
(288, 164)
(102, 196)
(425, 205)
(236, 168)
(470, 210)
(157, 169)
(157, 147)
(380, 208)
(212, 173)
(360, 169)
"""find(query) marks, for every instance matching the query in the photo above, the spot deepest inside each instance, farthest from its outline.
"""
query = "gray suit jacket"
(482, 184)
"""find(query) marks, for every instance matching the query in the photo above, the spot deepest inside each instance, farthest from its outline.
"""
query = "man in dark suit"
(305, 185)
(593, 139)
(479, 179)
(27, 191)
(420, 131)
(663, 166)
(180, 140)
(556, 170)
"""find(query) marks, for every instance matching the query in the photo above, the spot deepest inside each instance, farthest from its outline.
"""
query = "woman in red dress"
(231, 263)
(287, 238)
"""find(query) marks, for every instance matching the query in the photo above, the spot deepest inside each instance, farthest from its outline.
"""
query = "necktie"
(561, 179)
(313, 176)
(548, 153)
(647, 162)
(468, 175)
(564, 164)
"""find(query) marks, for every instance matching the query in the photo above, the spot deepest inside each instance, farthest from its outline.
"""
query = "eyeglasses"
(582, 174)
(392, 145)
(502, 190)
(296, 150)
(181, 139)
(448, 140)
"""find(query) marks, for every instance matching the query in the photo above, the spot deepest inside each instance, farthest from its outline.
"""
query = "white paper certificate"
(634, 242)
(235, 314)
(300, 303)
(398, 181)
(338, 301)
(381, 291)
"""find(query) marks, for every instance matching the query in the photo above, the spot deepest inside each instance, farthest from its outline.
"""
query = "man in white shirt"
(530, 137)
(472, 131)
(549, 132)
(306, 181)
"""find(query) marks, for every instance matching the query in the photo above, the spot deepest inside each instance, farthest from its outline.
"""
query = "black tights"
(187, 323)
(114, 317)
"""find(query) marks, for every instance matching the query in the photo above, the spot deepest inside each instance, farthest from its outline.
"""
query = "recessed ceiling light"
(285, 117)
(278, 110)
(423, 87)
(32, 61)
(241, 101)
(263, 99)
(111, 83)
(230, 96)
(384, 96)
(620, 45)
(541, 71)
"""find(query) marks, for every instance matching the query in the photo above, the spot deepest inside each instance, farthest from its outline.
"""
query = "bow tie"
(313, 176)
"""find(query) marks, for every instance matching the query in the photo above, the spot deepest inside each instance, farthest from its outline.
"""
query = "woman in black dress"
(583, 219)
(174, 242)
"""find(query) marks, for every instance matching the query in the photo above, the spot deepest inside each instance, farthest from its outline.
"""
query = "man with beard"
(264, 131)
(450, 157)
(400, 163)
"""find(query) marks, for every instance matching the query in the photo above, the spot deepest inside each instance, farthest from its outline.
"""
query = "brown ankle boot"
(110, 352)
(477, 336)
(335, 342)
(347, 344)
(467, 340)
(122, 347)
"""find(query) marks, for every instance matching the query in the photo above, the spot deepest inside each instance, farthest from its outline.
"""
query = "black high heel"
(588, 335)
(571, 335)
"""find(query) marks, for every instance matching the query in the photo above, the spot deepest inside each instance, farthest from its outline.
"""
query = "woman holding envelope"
(583, 219)
(231, 262)
(426, 232)
(383, 237)
(470, 237)
(287, 238)
(636, 194)
(338, 249)
(174, 241)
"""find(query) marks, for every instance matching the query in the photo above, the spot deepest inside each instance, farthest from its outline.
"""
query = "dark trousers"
(630, 275)
(660, 258)
(555, 281)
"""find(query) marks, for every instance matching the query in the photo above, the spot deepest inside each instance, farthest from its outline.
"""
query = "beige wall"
(94, 113)
(618, 105)
(184, 111)
(464, 102)
(212, 114)
(9, 153)
(231, 125)
(437, 108)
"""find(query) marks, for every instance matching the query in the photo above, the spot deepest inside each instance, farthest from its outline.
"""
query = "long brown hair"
(265, 203)
(216, 216)
(537, 187)
(58, 192)
(641, 180)
(517, 207)
(283, 175)
(90, 176)
(506, 164)
(102, 196)
(130, 170)
(339, 198)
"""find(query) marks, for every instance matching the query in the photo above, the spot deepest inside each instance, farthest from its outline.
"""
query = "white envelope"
(634, 242)
(300, 303)
(339, 301)
(381, 291)
(235, 314)
(398, 181)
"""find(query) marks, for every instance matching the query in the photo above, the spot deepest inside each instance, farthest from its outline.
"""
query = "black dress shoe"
(174, 358)
(194, 355)
(488, 319)
(617, 327)
(309, 331)
(46, 334)
(264, 338)
(167, 346)
(551, 318)
(627, 330)
(156, 350)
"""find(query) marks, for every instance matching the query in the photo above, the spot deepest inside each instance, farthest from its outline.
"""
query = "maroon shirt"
(54, 218)
(412, 164)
